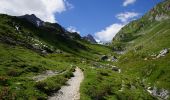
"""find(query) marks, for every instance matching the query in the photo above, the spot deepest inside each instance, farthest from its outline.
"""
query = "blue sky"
(101, 18)
(91, 16)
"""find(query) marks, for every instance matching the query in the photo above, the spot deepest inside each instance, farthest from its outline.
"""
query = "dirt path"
(70, 92)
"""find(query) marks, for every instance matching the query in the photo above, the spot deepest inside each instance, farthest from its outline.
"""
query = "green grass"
(19, 62)
(18, 65)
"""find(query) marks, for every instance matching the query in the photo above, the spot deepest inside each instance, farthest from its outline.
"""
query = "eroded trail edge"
(71, 91)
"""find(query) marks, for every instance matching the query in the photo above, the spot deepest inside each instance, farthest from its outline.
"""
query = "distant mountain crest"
(90, 38)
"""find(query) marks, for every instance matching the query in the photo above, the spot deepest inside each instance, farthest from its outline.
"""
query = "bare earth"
(45, 75)
(70, 92)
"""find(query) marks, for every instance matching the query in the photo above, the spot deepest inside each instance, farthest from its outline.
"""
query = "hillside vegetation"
(134, 67)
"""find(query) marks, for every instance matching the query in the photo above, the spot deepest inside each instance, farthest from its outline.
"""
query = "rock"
(114, 59)
(168, 7)
(44, 52)
(120, 71)
(17, 28)
(104, 58)
(163, 53)
(133, 87)
(58, 51)
(161, 17)
(146, 59)
(160, 93)
(116, 69)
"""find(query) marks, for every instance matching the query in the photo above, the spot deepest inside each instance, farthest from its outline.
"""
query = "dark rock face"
(90, 38)
(104, 58)
(33, 19)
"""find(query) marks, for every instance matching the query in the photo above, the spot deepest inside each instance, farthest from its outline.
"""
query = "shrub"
(3, 80)
(41, 85)
(13, 73)
(33, 69)
(104, 73)
(68, 75)
(5, 94)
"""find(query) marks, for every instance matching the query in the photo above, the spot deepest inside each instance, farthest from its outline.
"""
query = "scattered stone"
(17, 28)
(116, 69)
(133, 87)
(120, 71)
(153, 55)
(114, 59)
(44, 52)
(58, 51)
(123, 86)
(146, 59)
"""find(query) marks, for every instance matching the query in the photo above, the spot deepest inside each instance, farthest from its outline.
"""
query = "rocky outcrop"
(161, 17)
(109, 58)
(159, 93)
(163, 53)
(113, 59)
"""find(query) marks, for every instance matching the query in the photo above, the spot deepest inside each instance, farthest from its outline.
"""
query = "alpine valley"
(38, 58)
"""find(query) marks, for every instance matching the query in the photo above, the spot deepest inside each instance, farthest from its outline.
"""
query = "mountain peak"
(90, 38)
(32, 18)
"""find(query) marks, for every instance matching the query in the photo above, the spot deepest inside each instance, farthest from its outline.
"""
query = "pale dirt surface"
(45, 75)
(70, 92)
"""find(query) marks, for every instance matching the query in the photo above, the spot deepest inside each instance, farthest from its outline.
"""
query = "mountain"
(37, 59)
(144, 46)
(24, 31)
(90, 38)
(33, 19)
(155, 18)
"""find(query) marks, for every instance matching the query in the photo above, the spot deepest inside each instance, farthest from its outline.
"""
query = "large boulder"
(163, 53)
(104, 58)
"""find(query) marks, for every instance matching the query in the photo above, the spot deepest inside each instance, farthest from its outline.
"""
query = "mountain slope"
(146, 45)
(143, 27)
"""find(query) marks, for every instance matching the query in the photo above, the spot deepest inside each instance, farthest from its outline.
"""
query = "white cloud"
(127, 2)
(127, 16)
(72, 29)
(44, 9)
(107, 34)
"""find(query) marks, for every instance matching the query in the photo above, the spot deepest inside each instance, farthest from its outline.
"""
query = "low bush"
(3, 81)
